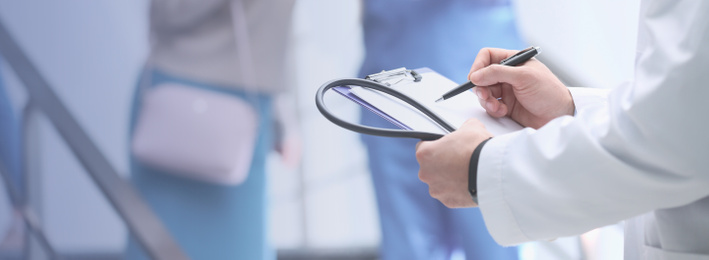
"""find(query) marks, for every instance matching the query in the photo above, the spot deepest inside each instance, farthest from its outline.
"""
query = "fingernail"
(477, 92)
(490, 106)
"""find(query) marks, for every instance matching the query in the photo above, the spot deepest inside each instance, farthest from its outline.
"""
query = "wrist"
(473, 171)
(571, 108)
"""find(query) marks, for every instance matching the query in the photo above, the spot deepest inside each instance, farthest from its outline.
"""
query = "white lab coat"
(642, 155)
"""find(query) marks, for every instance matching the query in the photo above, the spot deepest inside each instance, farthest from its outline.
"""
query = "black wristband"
(473, 171)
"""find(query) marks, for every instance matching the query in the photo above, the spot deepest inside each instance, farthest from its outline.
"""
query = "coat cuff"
(497, 213)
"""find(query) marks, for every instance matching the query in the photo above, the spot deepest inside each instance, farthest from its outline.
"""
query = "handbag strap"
(243, 42)
(243, 49)
(242, 39)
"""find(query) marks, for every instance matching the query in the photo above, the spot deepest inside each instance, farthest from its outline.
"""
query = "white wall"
(591, 41)
(339, 205)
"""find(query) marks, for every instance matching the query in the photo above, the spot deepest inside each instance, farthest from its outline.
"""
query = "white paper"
(455, 110)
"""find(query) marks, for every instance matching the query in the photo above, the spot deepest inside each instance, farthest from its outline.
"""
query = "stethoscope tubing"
(319, 102)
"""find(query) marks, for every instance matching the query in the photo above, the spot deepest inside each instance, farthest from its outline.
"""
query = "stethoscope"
(372, 83)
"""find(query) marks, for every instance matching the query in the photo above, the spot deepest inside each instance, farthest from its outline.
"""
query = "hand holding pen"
(530, 94)
(514, 60)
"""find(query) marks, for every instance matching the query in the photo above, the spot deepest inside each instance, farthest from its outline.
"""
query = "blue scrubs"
(210, 221)
(444, 35)
(10, 140)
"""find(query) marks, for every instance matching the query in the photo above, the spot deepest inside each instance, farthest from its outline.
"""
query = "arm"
(287, 134)
(643, 151)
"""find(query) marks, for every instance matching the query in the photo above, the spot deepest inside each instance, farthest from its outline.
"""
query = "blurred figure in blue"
(444, 36)
(10, 139)
(10, 161)
(201, 45)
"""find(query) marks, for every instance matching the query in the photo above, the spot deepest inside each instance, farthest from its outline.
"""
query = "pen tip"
(439, 100)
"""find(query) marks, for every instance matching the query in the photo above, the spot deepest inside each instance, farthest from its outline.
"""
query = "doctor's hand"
(529, 94)
(444, 163)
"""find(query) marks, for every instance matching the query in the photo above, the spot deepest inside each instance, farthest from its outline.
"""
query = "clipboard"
(422, 86)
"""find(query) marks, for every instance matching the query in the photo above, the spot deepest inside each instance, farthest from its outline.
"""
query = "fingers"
(488, 56)
(495, 74)
(422, 155)
(443, 164)
(482, 92)
(495, 108)
(489, 100)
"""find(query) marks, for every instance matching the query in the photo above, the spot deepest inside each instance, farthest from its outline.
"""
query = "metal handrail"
(142, 223)
(28, 216)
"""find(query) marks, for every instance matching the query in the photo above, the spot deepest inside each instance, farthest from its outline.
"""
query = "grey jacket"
(196, 39)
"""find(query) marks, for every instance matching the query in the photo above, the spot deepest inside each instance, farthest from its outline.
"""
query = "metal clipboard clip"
(393, 77)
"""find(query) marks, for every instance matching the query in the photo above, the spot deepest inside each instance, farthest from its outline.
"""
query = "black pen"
(514, 60)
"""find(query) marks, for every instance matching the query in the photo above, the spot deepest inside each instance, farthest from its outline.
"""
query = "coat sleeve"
(646, 148)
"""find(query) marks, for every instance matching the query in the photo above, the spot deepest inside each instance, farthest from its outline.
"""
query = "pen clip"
(517, 54)
(393, 77)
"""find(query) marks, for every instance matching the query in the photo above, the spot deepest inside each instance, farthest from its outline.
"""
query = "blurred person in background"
(12, 237)
(444, 36)
(10, 138)
(231, 54)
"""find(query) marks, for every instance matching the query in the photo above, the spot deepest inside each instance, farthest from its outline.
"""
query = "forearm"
(575, 174)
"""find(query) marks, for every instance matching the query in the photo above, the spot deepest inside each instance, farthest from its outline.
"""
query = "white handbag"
(196, 133)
